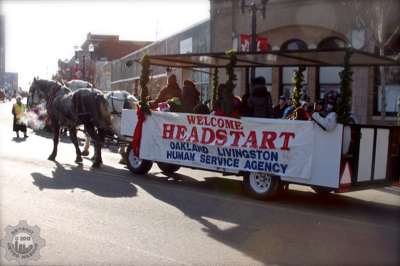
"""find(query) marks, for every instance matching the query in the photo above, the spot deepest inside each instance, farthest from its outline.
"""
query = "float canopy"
(313, 57)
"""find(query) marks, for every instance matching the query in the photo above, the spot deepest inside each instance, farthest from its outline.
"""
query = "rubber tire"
(168, 168)
(322, 191)
(271, 192)
(141, 169)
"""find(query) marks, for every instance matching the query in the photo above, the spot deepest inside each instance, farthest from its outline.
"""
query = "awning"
(313, 57)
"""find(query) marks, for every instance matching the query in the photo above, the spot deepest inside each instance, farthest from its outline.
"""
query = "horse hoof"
(96, 165)
(85, 153)
(51, 158)
(123, 161)
(78, 160)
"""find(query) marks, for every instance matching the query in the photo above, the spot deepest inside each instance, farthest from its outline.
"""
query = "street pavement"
(109, 216)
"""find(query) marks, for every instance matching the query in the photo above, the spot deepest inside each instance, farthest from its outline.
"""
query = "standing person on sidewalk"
(18, 111)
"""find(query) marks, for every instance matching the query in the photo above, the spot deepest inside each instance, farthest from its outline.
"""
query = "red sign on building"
(245, 42)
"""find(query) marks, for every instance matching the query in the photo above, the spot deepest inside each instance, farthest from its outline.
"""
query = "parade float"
(268, 153)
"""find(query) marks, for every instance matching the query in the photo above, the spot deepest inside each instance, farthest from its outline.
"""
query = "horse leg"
(56, 139)
(122, 152)
(97, 145)
(85, 151)
(74, 139)
(101, 138)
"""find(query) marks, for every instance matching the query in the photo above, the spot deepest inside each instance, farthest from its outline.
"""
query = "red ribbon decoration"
(137, 135)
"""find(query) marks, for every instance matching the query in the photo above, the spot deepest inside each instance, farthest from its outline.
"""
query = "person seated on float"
(279, 109)
(326, 116)
(260, 101)
(289, 109)
(190, 96)
(170, 91)
(300, 113)
(202, 108)
(223, 97)
(175, 105)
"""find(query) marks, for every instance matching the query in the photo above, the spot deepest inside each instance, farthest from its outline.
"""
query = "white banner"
(279, 147)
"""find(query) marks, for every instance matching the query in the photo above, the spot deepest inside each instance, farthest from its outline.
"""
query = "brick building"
(92, 58)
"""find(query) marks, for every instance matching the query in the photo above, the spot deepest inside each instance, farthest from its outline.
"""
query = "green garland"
(227, 103)
(298, 79)
(144, 79)
(215, 88)
(343, 108)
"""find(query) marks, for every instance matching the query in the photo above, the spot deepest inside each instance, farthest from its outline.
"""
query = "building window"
(201, 80)
(329, 79)
(392, 81)
(287, 72)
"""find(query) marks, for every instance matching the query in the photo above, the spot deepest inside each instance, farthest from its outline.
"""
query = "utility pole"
(253, 8)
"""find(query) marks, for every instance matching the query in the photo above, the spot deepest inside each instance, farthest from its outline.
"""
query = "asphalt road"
(109, 216)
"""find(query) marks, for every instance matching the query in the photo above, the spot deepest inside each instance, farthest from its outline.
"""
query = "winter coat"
(260, 103)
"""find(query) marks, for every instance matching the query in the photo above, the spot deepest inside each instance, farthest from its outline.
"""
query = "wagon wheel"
(137, 165)
(261, 186)
(168, 168)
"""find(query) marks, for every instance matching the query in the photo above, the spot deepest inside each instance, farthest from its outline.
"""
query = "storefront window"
(288, 72)
(392, 90)
(392, 81)
(329, 79)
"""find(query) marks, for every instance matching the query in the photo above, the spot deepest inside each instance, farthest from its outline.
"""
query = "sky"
(38, 33)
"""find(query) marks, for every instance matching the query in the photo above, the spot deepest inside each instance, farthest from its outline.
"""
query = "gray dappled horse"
(71, 109)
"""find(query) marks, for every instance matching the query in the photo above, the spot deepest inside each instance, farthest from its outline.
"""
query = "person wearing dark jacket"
(279, 109)
(190, 96)
(170, 91)
(260, 103)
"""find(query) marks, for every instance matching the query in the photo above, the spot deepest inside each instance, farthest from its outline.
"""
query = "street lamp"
(91, 49)
(91, 65)
(253, 8)
(78, 51)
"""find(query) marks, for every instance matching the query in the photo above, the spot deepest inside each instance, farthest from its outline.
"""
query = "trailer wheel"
(322, 191)
(168, 168)
(137, 165)
(261, 185)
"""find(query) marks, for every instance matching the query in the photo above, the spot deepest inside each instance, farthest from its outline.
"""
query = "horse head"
(104, 116)
(42, 90)
(118, 100)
